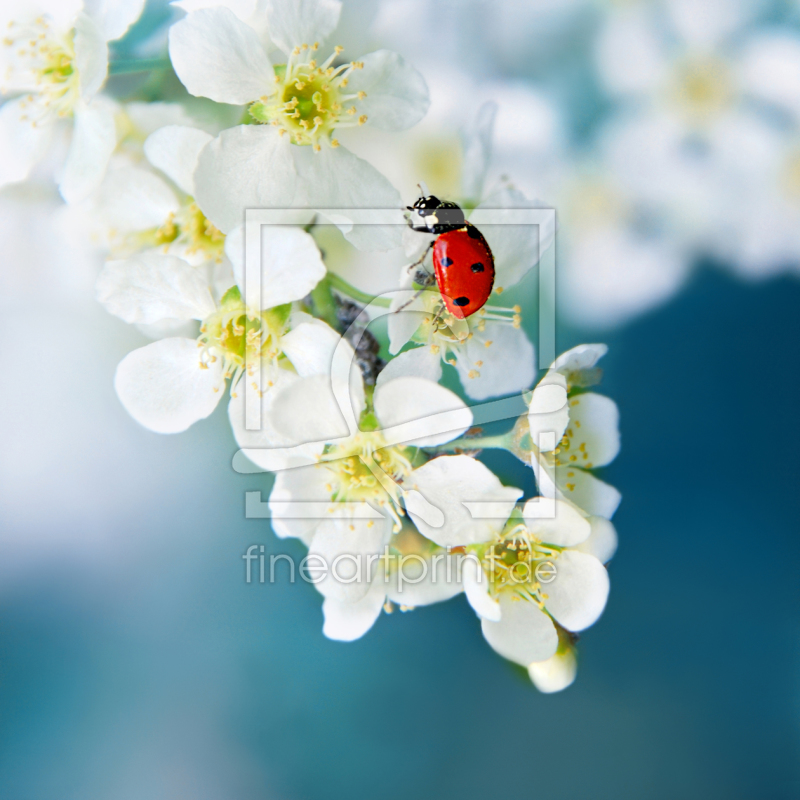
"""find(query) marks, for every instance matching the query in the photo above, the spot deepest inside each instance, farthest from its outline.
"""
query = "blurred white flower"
(574, 432)
(53, 63)
(618, 254)
(709, 132)
(170, 384)
(292, 156)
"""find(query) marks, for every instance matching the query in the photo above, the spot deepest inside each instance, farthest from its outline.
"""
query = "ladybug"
(462, 260)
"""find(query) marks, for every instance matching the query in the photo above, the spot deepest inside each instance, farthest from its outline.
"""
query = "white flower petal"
(631, 55)
(22, 143)
(476, 145)
(397, 95)
(403, 324)
(476, 588)
(94, 138)
(419, 362)
(244, 9)
(593, 429)
(147, 118)
(114, 17)
(291, 265)
(296, 22)
(507, 365)
(433, 579)
(580, 358)
(548, 413)
(566, 529)
(413, 403)
(516, 248)
(268, 446)
(249, 166)
(587, 492)
(164, 388)
(134, 199)
(348, 546)
(452, 482)
(770, 69)
(577, 595)
(151, 287)
(346, 622)
(91, 56)
(602, 542)
(307, 411)
(555, 673)
(299, 485)
(175, 150)
(310, 347)
(334, 178)
(218, 56)
(523, 634)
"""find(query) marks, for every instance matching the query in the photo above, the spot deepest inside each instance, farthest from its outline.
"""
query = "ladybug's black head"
(437, 216)
(425, 205)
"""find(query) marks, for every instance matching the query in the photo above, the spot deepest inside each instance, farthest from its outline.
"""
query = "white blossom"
(172, 383)
(292, 157)
(522, 572)
(574, 432)
(53, 63)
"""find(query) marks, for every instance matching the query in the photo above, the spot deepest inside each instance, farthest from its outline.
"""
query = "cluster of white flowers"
(167, 195)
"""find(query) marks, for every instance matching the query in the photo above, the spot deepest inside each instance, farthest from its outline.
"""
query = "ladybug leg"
(410, 300)
(422, 258)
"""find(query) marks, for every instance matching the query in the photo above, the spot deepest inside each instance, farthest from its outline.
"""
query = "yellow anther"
(362, 119)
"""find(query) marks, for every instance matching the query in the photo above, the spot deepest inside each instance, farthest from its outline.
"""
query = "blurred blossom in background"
(134, 660)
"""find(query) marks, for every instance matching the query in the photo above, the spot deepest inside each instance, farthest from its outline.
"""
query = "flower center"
(363, 469)
(447, 335)
(310, 101)
(190, 228)
(572, 450)
(702, 87)
(241, 336)
(515, 563)
(41, 63)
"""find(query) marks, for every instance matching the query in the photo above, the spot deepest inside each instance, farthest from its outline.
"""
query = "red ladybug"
(462, 259)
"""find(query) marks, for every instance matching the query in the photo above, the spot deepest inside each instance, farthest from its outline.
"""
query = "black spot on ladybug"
(446, 262)
(461, 301)
(474, 232)
(477, 267)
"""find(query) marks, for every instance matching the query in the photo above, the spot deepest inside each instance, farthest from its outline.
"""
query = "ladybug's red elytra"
(462, 260)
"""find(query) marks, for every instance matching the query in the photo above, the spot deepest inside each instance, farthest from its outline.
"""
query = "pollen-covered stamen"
(309, 101)
(364, 469)
(510, 563)
(446, 334)
(41, 63)
(241, 337)
(573, 449)
(187, 229)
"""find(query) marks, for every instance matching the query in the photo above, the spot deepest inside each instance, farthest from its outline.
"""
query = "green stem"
(499, 442)
(341, 285)
(324, 304)
(130, 66)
